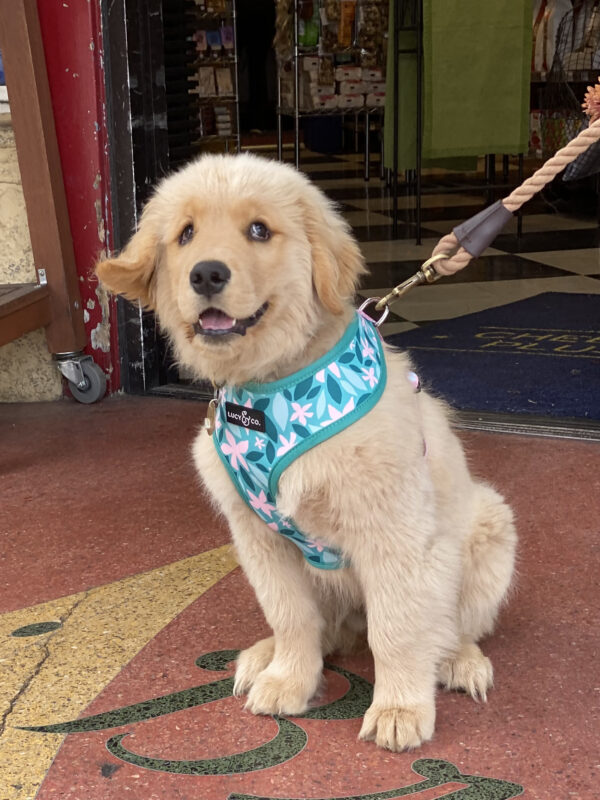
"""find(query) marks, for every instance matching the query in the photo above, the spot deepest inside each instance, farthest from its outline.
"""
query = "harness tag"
(245, 417)
(209, 419)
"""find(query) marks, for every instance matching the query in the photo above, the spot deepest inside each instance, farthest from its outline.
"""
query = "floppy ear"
(337, 260)
(131, 274)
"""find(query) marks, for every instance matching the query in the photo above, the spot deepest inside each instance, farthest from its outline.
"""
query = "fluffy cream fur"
(431, 549)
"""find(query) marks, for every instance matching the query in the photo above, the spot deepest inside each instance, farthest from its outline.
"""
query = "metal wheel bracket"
(86, 379)
(70, 367)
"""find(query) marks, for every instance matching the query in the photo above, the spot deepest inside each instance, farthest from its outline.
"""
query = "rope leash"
(468, 241)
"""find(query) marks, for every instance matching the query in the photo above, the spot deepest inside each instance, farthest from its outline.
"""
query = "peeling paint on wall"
(82, 137)
(100, 335)
(100, 221)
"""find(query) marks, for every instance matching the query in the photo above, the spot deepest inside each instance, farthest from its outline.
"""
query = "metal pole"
(296, 89)
(238, 135)
(419, 27)
(520, 211)
(279, 123)
(367, 123)
(395, 128)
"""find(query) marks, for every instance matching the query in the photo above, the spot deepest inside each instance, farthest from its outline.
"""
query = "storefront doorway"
(555, 257)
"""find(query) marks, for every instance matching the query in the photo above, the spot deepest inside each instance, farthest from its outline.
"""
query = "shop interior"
(312, 83)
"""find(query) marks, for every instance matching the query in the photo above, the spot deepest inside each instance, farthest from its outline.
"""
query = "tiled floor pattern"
(556, 252)
(107, 537)
(119, 590)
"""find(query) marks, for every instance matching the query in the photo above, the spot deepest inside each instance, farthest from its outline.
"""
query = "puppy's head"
(242, 259)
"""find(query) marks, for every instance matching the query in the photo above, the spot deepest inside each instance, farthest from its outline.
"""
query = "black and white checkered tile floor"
(556, 253)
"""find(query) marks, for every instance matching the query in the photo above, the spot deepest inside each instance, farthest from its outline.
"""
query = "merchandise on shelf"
(206, 117)
(535, 134)
(308, 23)
(375, 100)
(215, 45)
(547, 16)
(206, 82)
(371, 31)
(223, 120)
(342, 52)
(228, 39)
(212, 6)
(346, 23)
(348, 73)
(214, 77)
(224, 81)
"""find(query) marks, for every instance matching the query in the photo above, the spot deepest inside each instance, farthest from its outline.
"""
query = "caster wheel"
(95, 383)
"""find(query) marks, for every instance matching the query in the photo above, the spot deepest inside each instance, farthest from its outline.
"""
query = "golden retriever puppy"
(252, 274)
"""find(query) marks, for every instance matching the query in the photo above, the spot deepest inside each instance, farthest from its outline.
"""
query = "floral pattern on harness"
(298, 414)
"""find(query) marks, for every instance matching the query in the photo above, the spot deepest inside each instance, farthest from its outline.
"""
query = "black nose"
(209, 277)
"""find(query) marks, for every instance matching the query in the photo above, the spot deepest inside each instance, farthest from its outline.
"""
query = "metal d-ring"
(381, 319)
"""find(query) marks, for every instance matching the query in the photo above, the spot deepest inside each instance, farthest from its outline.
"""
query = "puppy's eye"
(186, 234)
(258, 232)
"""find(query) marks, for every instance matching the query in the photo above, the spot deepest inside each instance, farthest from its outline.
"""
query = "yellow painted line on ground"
(55, 676)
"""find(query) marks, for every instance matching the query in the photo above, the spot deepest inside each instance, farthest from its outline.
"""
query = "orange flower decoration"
(591, 103)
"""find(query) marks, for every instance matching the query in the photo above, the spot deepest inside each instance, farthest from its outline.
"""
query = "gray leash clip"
(479, 231)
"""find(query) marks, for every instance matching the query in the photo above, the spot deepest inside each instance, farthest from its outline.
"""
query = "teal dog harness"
(261, 428)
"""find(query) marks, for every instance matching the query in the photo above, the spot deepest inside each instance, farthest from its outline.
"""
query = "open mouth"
(214, 322)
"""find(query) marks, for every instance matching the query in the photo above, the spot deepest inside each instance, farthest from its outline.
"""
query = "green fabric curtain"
(477, 62)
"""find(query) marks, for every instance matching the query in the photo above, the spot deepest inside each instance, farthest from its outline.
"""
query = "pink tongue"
(215, 320)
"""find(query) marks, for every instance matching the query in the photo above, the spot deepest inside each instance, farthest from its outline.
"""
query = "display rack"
(201, 74)
(575, 65)
(347, 69)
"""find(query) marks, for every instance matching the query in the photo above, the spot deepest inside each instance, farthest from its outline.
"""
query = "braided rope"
(460, 258)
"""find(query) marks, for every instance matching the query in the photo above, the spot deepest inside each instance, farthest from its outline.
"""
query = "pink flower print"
(370, 377)
(248, 403)
(260, 503)
(315, 544)
(320, 376)
(273, 525)
(259, 443)
(286, 445)
(368, 351)
(334, 414)
(234, 450)
(301, 413)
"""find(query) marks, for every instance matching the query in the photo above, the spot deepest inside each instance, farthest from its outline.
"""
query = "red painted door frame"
(72, 37)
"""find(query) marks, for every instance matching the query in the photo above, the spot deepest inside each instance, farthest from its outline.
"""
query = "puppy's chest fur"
(339, 487)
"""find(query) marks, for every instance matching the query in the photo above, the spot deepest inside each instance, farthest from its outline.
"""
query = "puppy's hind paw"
(251, 663)
(469, 671)
(398, 728)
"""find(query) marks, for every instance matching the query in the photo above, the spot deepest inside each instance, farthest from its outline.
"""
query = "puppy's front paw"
(251, 662)
(398, 728)
(274, 694)
(469, 671)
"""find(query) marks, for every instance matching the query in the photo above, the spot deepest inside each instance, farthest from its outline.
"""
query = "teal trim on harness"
(261, 428)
